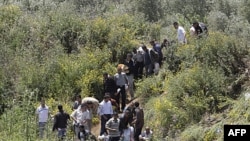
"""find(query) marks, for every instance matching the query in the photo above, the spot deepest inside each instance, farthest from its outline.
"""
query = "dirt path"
(96, 129)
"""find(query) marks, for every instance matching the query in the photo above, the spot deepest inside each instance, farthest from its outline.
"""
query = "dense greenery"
(58, 48)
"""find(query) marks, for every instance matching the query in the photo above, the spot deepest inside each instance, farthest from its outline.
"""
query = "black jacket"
(109, 85)
(61, 120)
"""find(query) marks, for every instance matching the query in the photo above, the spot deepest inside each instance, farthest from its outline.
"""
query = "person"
(146, 135)
(192, 31)
(61, 122)
(147, 61)
(181, 33)
(114, 104)
(157, 47)
(126, 120)
(82, 133)
(121, 80)
(138, 60)
(138, 121)
(154, 61)
(77, 103)
(130, 74)
(128, 133)
(90, 107)
(109, 85)
(200, 29)
(105, 111)
(43, 114)
(80, 117)
(112, 126)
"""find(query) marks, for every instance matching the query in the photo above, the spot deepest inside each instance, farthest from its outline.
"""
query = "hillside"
(55, 49)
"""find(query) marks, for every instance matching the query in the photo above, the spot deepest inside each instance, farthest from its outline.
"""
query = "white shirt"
(43, 113)
(145, 135)
(80, 116)
(181, 35)
(192, 31)
(105, 108)
(128, 134)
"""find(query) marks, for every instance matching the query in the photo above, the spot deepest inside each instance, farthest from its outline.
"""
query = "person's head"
(78, 98)
(134, 50)
(136, 104)
(129, 56)
(126, 113)
(83, 107)
(147, 130)
(105, 75)
(90, 104)
(43, 103)
(119, 69)
(195, 24)
(81, 128)
(115, 115)
(60, 107)
(176, 25)
(144, 47)
(152, 43)
(106, 97)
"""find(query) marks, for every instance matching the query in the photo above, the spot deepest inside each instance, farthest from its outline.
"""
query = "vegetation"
(58, 48)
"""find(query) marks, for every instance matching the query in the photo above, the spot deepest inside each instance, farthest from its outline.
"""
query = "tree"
(152, 9)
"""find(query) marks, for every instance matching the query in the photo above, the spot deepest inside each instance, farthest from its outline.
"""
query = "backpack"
(203, 27)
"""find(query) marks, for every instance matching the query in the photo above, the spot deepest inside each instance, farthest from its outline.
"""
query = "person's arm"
(111, 109)
(126, 79)
(73, 116)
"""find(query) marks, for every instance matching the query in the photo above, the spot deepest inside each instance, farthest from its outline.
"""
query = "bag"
(203, 27)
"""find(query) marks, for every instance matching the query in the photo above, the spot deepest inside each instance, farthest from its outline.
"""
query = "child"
(82, 133)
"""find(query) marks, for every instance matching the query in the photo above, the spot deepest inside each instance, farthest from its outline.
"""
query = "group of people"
(142, 61)
(197, 30)
(126, 127)
(81, 116)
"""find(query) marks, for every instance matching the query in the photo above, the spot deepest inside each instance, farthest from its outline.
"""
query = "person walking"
(105, 112)
(109, 85)
(121, 80)
(80, 117)
(181, 33)
(139, 120)
(130, 74)
(112, 126)
(43, 114)
(147, 61)
(60, 122)
(77, 103)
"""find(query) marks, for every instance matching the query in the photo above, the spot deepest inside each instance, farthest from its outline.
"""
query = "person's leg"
(117, 99)
(123, 95)
(103, 122)
(61, 133)
(131, 85)
(136, 70)
(137, 133)
(77, 130)
(41, 129)
(140, 69)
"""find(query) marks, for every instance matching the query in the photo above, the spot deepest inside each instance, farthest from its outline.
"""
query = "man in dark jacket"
(139, 120)
(60, 122)
(130, 74)
(109, 85)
